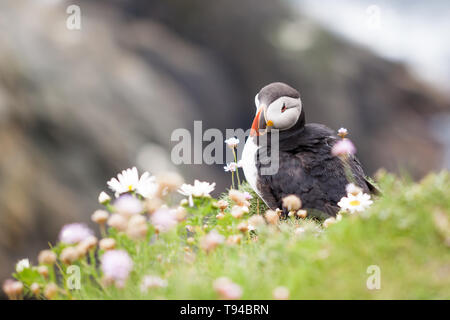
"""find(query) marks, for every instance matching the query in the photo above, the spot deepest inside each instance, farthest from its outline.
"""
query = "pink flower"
(232, 142)
(227, 289)
(116, 266)
(281, 293)
(231, 167)
(212, 240)
(164, 219)
(74, 233)
(152, 282)
(128, 205)
(343, 147)
(247, 196)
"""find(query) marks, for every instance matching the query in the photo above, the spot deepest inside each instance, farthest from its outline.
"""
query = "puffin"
(306, 166)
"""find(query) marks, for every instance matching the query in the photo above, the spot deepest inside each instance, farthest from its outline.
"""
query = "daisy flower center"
(130, 188)
(355, 203)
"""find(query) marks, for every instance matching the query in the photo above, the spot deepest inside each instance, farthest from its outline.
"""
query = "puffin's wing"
(289, 179)
(357, 168)
(267, 194)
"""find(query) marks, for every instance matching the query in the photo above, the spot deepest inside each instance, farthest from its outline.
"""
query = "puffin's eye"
(283, 109)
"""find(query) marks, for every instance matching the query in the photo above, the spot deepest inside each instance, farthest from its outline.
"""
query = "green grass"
(406, 233)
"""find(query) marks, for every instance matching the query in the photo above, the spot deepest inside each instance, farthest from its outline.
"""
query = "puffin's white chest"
(249, 165)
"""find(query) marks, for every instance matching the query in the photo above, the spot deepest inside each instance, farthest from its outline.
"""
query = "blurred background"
(77, 106)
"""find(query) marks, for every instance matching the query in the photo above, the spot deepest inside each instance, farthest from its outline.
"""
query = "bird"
(306, 166)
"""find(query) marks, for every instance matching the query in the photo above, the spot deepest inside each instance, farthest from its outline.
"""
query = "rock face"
(77, 106)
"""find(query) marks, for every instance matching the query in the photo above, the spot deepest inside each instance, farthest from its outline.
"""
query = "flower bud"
(118, 222)
(180, 214)
(107, 244)
(243, 226)
(237, 196)
(69, 255)
(137, 227)
(35, 289)
(292, 203)
(87, 244)
(342, 132)
(47, 257)
(256, 220)
(43, 271)
(50, 291)
(100, 216)
(271, 217)
(237, 211)
(222, 205)
(138, 231)
(302, 214)
(13, 289)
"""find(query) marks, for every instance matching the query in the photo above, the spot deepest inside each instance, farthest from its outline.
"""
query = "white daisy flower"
(147, 186)
(355, 203)
(104, 198)
(22, 265)
(231, 167)
(198, 190)
(232, 142)
(129, 181)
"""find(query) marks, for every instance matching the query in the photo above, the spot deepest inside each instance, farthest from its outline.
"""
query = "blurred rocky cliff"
(77, 106)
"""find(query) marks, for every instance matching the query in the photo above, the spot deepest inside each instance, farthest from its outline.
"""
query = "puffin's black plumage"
(306, 166)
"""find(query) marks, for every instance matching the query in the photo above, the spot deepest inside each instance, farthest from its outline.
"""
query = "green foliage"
(405, 233)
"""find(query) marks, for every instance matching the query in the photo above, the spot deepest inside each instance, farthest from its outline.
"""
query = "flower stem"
(237, 169)
(347, 169)
(232, 180)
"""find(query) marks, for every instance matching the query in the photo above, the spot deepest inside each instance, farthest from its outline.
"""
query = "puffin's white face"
(283, 113)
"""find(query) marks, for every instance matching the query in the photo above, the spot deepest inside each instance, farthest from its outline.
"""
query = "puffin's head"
(278, 106)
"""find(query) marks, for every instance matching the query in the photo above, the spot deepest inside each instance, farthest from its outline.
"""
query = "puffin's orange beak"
(259, 122)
